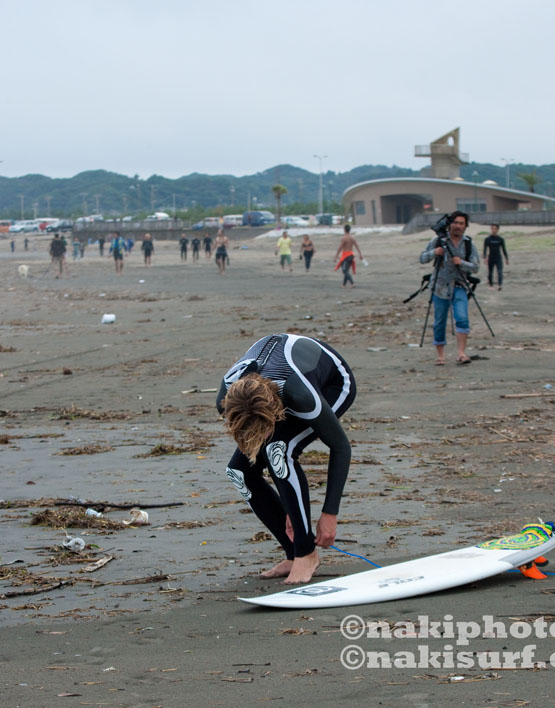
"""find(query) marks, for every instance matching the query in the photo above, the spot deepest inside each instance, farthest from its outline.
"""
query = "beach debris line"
(91, 449)
(138, 517)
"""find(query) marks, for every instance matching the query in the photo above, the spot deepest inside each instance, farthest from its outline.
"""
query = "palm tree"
(279, 190)
(531, 179)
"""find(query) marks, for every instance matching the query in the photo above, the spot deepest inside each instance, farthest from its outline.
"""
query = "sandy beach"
(118, 416)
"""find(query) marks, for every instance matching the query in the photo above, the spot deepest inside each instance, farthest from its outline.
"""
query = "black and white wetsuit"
(316, 386)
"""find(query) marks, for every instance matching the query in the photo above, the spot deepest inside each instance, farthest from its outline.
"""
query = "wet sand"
(440, 460)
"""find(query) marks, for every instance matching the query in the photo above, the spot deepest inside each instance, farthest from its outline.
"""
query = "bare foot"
(303, 569)
(281, 570)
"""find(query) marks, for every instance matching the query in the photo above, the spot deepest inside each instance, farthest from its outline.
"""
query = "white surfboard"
(420, 576)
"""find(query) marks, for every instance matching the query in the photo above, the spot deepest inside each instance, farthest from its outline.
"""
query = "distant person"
(82, 246)
(57, 252)
(147, 247)
(101, 242)
(26, 244)
(76, 248)
(307, 251)
(183, 244)
(130, 243)
(495, 244)
(283, 247)
(12, 245)
(208, 245)
(117, 248)
(345, 256)
(195, 243)
(221, 245)
(449, 291)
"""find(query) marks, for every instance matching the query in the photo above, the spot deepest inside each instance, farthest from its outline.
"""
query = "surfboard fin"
(530, 570)
(540, 560)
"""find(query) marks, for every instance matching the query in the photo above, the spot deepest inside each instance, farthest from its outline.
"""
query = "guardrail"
(423, 221)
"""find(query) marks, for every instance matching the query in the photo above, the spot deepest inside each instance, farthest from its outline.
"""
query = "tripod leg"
(426, 321)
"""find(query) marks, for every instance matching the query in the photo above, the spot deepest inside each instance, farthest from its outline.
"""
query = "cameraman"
(450, 250)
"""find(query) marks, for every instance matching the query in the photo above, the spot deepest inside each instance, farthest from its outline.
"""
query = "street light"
(475, 178)
(321, 191)
(508, 162)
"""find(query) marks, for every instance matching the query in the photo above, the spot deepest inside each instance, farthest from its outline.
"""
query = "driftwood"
(34, 591)
(113, 505)
(527, 395)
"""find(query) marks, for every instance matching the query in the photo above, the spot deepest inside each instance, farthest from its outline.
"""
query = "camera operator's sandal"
(440, 362)
(461, 361)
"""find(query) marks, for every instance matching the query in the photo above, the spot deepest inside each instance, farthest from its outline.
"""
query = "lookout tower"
(445, 155)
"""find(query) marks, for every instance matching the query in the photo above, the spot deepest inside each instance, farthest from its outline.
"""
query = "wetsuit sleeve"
(220, 398)
(486, 245)
(328, 428)
(428, 254)
(504, 249)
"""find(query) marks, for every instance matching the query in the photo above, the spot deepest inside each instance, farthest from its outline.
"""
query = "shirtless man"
(221, 244)
(346, 256)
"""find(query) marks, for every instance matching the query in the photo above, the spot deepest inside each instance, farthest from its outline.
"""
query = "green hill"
(112, 194)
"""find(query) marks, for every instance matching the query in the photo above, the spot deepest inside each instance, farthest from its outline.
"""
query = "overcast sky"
(237, 86)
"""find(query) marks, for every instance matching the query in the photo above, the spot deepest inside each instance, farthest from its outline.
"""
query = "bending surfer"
(285, 392)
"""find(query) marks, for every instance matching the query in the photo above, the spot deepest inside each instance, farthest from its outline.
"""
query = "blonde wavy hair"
(252, 407)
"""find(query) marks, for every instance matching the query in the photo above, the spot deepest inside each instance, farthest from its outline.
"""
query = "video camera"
(441, 227)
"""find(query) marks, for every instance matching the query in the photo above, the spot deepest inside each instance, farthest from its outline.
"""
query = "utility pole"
(173, 203)
(300, 190)
(97, 199)
(22, 205)
(48, 200)
(232, 191)
(84, 203)
(124, 197)
(152, 199)
(508, 162)
(35, 209)
(320, 158)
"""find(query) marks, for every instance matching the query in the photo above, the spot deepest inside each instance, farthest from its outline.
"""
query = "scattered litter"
(75, 544)
(412, 344)
(200, 390)
(548, 387)
(110, 668)
(100, 563)
(108, 319)
(377, 349)
(456, 678)
(308, 317)
(141, 281)
(187, 317)
(102, 295)
(94, 513)
(138, 517)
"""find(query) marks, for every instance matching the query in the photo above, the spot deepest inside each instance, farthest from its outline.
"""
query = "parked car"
(158, 216)
(211, 222)
(17, 228)
(258, 218)
(61, 225)
(232, 220)
(30, 227)
(198, 226)
(294, 221)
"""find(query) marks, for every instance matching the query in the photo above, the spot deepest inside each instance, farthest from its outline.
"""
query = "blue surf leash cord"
(354, 555)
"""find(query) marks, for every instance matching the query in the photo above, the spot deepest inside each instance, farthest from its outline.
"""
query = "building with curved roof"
(440, 189)
(398, 200)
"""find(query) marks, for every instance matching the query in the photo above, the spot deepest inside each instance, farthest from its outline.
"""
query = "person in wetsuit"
(495, 244)
(195, 243)
(183, 243)
(207, 241)
(284, 393)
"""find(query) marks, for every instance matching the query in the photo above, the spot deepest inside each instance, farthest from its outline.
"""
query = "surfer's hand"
(325, 530)
(289, 529)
